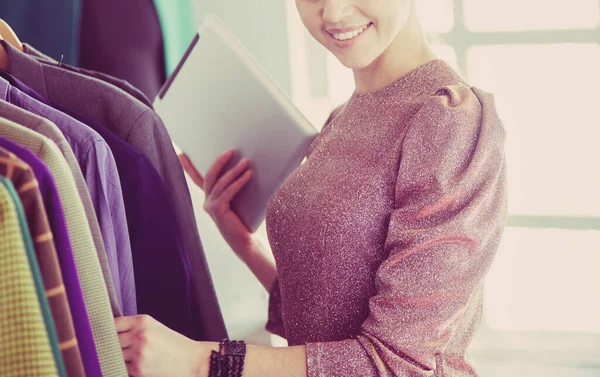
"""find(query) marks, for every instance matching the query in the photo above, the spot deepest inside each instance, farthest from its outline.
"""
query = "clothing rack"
(96, 220)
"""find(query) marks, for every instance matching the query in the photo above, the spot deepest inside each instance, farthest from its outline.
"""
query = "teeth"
(348, 35)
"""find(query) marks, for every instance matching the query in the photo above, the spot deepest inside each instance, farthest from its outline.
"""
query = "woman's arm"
(275, 362)
(257, 260)
(151, 349)
(449, 213)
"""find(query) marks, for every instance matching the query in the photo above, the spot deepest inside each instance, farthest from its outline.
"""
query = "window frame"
(561, 349)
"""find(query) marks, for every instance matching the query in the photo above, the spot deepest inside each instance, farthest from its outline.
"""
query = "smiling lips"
(346, 37)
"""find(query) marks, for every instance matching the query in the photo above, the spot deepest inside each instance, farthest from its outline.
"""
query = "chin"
(356, 62)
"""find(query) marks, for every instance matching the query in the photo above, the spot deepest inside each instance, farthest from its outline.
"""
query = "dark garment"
(121, 84)
(141, 127)
(101, 177)
(52, 26)
(111, 43)
(155, 242)
(60, 235)
(152, 230)
(23, 178)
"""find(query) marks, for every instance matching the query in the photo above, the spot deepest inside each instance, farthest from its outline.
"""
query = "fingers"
(134, 323)
(213, 172)
(225, 180)
(236, 186)
(124, 324)
(126, 339)
(191, 170)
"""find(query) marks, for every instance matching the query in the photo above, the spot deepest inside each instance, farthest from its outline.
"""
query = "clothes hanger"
(7, 34)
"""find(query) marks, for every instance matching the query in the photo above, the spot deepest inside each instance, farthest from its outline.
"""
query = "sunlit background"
(541, 59)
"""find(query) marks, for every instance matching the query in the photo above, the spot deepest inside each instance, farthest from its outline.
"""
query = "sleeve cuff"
(338, 359)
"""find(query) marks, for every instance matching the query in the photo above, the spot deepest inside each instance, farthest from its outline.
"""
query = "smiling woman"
(552, 208)
(383, 236)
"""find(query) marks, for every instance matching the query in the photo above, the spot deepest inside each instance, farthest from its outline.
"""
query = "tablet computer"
(219, 97)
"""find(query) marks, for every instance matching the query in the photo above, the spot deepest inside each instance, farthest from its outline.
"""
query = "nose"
(335, 10)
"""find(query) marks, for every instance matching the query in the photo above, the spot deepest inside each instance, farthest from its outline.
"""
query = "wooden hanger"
(7, 34)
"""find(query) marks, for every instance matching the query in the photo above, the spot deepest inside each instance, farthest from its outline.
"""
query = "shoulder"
(456, 114)
(456, 129)
(456, 102)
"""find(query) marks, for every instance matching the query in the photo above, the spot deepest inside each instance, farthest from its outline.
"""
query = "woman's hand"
(151, 349)
(220, 189)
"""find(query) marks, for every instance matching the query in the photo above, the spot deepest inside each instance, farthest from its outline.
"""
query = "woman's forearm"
(275, 362)
(257, 259)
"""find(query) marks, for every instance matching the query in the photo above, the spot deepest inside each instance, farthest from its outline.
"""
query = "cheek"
(310, 18)
(392, 15)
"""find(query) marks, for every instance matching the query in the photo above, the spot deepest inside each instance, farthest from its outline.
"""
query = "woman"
(384, 235)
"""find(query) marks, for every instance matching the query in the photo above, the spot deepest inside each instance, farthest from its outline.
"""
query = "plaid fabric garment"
(24, 344)
(23, 178)
(44, 127)
(88, 267)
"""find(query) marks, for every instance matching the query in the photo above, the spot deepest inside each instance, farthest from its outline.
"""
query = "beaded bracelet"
(216, 363)
(229, 361)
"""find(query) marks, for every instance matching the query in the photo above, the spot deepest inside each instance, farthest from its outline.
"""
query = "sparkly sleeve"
(449, 215)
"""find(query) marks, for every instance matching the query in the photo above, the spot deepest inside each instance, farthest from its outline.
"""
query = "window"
(520, 15)
(541, 59)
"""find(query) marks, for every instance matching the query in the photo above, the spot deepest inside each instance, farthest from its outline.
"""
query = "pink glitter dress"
(384, 235)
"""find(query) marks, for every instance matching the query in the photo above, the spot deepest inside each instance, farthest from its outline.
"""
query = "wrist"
(250, 250)
(202, 358)
(229, 360)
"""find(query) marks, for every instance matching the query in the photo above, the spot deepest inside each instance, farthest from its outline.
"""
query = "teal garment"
(37, 277)
(178, 28)
(51, 26)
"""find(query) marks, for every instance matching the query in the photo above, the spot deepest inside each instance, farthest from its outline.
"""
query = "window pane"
(547, 97)
(514, 15)
(437, 16)
(545, 280)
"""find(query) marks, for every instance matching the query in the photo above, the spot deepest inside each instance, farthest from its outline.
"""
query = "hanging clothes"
(51, 131)
(103, 193)
(56, 217)
(23, 307)
(141, 127)
(88, 266)
(102, 179)
(27, 187)
(156, 245)
(121, 84)
(131, 51)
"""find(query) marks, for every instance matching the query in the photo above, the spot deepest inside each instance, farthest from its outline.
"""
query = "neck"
(408, 51)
